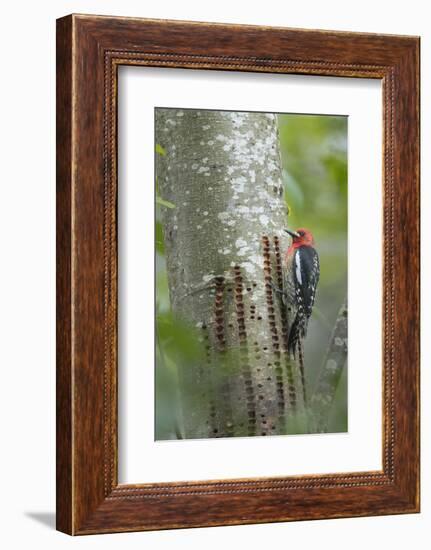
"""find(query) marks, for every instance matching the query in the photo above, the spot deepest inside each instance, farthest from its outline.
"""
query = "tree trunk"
(331, 372)
(223, 239)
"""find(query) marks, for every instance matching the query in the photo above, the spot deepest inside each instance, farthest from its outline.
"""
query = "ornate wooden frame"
(89, 51)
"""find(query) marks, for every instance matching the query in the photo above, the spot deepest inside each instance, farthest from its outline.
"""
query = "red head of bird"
(300, 237)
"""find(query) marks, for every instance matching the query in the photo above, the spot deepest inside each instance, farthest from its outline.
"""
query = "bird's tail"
(301, 369)
(295, 348)
(294, 337)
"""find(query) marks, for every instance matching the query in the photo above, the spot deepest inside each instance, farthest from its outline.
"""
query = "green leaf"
(179, 341)
(160, 241)
(160, 150)
(162, 292)
(162, 202)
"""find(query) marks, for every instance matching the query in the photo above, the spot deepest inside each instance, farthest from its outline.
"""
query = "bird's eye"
(301, 233)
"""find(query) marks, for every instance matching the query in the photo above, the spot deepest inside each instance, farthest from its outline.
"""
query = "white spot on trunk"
(264, 220)
(331, 365)
(249, 267)
(243, 251)
(256, 259)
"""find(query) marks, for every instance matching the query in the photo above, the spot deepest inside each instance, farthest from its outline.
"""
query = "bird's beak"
(292, 233)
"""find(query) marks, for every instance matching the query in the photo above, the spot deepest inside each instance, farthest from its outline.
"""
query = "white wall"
(27, 236)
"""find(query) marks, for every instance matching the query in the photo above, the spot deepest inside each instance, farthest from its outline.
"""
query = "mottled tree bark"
(223, 239)
(330, 373)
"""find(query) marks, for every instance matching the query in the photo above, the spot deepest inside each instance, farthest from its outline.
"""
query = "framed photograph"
(237, 274)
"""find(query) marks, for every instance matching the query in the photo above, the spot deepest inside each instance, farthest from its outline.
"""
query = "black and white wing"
(306, 275)
(305, 278)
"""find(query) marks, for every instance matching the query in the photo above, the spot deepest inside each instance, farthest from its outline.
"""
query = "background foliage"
(314, 158)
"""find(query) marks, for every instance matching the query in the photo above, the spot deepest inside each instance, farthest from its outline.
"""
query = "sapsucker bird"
(301, 276)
